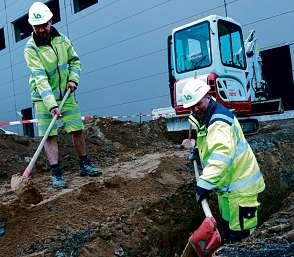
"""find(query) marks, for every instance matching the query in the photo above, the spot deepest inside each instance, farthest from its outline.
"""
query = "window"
(192, 48)
(22, 29)
(80, 5)
(2, 39)
(54, 7)
(231, 45)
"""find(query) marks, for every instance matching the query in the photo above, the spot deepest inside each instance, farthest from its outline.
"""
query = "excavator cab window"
(192, 48)
(231, 45)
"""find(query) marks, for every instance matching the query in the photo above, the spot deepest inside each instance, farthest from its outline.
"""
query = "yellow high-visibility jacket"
(52, 63)
(229, 165)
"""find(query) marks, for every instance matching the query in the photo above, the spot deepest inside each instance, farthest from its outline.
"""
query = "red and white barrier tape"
(19, 122)
(3, 124)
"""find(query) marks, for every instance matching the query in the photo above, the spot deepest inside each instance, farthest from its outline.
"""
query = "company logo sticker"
(37, 16)
(188, 97)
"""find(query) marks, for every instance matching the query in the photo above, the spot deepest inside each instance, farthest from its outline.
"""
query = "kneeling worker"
(229, 165)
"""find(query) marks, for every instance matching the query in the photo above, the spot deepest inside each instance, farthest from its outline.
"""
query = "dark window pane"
(22, 29)
(83, 4)
(54, 7)
(2, 39)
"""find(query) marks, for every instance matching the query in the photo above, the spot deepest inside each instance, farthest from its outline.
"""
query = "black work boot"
(57, 177)
(87, 168)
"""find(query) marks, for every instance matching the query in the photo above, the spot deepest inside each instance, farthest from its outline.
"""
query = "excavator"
(213, 49)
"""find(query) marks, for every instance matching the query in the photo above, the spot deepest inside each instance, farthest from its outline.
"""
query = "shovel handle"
(204, 202)
(29, 168)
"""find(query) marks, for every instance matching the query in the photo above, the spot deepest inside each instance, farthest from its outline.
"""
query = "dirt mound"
(25, 190)
(120, 209)
(15, 152)
(108, 141)
(143, 204)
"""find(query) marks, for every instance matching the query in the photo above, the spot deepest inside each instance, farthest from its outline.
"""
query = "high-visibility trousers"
(239, 212)
(71, 117)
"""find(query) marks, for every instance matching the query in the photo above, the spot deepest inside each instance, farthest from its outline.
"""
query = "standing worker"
(55, 67)
(229, 165)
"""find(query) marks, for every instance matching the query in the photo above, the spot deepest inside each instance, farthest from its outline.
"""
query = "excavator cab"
(211, 49)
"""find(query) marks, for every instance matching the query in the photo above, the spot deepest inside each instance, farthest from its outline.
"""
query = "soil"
(25, 190)
(144, 203)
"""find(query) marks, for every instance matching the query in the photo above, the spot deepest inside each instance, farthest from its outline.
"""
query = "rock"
(59, 254)
(105, 232)
(287, 179)
(2, 230)
(27, 159)
(39, 254)
(290, 236)
(119, 252)
(280, 228)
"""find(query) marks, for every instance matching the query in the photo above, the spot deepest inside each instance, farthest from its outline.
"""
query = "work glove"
(201, 193)
(55, 111)
(72, 86)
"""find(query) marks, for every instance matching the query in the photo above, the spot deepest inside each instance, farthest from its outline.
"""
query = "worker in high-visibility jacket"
(55, 67)
(229, 165)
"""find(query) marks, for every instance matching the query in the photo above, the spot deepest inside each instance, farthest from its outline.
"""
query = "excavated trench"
(144, 204)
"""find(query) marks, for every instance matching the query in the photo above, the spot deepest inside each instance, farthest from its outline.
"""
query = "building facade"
(123, 47)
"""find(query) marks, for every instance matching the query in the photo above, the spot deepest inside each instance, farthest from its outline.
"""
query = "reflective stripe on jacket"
(52, 65)
(229, 165)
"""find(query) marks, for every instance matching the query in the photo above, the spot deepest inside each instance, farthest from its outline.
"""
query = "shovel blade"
(206, 239)
(189, 251)
(25, 190)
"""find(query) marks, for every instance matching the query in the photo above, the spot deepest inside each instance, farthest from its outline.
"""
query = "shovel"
(206, 239)
(23, 185)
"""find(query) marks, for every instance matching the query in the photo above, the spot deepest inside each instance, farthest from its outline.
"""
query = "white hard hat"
(39, 13)
(193, 91)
